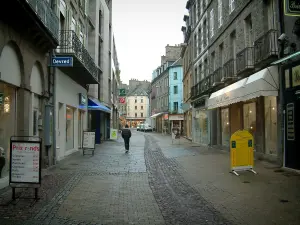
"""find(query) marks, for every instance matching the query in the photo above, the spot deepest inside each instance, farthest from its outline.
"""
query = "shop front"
(291, 91)
(250, 104)
(201, 122)
(7, 124)
(71, 114)
(176, 121)
(187, 127)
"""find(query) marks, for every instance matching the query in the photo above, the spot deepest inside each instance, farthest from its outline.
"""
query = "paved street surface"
(157, 182)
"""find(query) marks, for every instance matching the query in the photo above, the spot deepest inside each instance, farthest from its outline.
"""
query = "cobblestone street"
(156, 183)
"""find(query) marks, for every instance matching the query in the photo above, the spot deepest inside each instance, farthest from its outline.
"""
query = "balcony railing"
(70, 44)
(201, 87)
(229, 71)
(43, 10)
(266, 46)
(216, 77)
(245, 60)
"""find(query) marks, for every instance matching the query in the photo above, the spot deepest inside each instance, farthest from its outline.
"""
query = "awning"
(157, 114)
(94, 104)
(262, 83)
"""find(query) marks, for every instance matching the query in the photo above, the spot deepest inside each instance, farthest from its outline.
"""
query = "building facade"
(289, 62)
(160, 90)
(176, 116)
(26, 87)
(137, 107)
(234, 85)
(186, 55)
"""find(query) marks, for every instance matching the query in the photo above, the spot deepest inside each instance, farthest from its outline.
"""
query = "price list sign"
(25, 162)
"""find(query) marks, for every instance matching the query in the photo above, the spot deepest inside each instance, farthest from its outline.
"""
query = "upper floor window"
(135, 101)
(198, 9)
(175, 76)
(142, 115)
(220, 12)
(136, 107)
(212, 21)
(175, 106)
(176, 89)
(142, 100)
(135, 114)
(142, 107)
(231, 6)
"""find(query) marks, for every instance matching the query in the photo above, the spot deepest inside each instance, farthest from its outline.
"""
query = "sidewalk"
(270, 197)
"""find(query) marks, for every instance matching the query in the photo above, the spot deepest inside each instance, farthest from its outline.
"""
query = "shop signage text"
(82, 99)
(292, 7)
(122, 92)
(25, 162)
(62, 61)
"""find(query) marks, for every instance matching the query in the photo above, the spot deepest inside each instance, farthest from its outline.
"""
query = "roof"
(138, 91)
(178, 62)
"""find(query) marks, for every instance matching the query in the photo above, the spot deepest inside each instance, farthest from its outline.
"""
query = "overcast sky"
(142, 29)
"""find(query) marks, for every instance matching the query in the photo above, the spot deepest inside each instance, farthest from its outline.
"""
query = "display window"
(7, 125)
(69, 128)
(271, 125)
(225, 127)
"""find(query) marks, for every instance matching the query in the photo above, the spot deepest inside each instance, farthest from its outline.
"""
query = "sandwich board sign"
(88, 141)
(242, 152)
(113, 134)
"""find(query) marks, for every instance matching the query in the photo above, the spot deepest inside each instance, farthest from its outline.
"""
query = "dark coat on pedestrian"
(126, 133)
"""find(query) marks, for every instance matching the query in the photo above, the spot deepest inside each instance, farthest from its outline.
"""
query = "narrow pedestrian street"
(157, 182)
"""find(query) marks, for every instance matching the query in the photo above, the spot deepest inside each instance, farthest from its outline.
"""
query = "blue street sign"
(62, 61)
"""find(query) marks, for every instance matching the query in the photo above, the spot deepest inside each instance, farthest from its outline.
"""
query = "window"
(213, 61)
(200, 75)
(195, 45)
(142, 107)
(69, 128)
(100, 52)
(198, 8)
(135, 114)
(135, 107)
(135, 101)
(220, 12)
(175, 76)
(221, 55)
(204, 34)
(250, 118)
(195, 76)
(175, 106)
(142, 115)
(212, 25)
(199, 40)
(142, 100)
(233, 44)
(225, 127)
(176, 89)
(271, 125)
(231, 6)
(206, 70)
(35, 122)
(248, 31)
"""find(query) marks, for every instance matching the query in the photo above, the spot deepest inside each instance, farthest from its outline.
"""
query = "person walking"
(126, 135)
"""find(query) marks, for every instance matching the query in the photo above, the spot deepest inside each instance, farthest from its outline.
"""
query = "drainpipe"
(54, 110)
(281, 114)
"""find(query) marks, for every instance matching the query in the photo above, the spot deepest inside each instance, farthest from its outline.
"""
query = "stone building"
(160, 89)
(26, 82)
(234, 86)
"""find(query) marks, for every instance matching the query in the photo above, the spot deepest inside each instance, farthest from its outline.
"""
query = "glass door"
(80, 114)
(69, 128)
(225, 127)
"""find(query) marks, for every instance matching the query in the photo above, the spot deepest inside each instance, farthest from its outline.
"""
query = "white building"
(137, 107)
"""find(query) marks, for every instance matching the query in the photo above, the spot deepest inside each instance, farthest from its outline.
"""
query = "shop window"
(296, 76)
(225, 127)
(271, 125)
(203, 119)
(287, 79)
(35, 123)
(69, 128)
(7, 124)
(250, 117)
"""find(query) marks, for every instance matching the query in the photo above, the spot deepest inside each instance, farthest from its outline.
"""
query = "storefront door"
(292, 119)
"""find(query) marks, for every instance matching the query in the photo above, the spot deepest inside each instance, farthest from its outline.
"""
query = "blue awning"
(94, 104)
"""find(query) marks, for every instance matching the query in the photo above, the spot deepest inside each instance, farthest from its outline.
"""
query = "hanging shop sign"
(113, 134)
(292, 7)
(82, 99)
(242, 151)
(122, 100)
(62, 61)
(122, 92)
